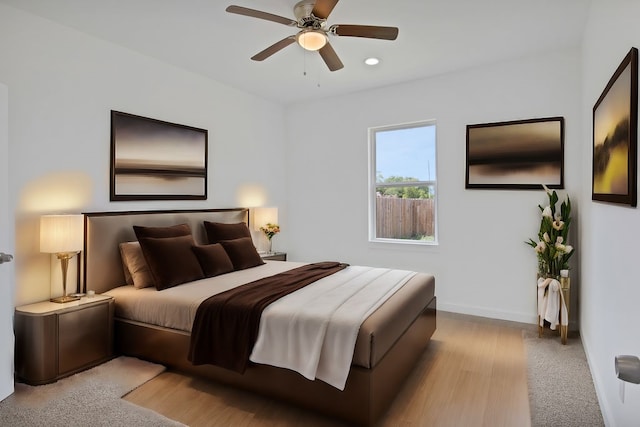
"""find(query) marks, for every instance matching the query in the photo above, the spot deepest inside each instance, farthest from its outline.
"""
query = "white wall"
(481, 265)
(63, 85)
(610, 288)
(6, 245)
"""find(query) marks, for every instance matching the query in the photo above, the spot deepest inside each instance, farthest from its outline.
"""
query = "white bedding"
(176, 307)
(312, 331)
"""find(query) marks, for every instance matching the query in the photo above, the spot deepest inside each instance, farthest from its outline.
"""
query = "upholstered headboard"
(104, 231)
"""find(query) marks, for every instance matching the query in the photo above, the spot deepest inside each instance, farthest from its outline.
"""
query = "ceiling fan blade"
(276, 47)
(323, 8)
(367, 31)
(330, 58)
(261, 15)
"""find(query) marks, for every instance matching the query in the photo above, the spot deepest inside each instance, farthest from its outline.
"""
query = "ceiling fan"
(311, 19)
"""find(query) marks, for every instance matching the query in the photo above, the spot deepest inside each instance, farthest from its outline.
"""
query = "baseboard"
(529, 318)
(603, 397)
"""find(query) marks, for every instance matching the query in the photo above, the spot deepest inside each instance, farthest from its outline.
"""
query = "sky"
(408, 152)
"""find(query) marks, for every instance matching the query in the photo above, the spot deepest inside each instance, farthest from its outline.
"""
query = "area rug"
(561, 390)
(89, 398)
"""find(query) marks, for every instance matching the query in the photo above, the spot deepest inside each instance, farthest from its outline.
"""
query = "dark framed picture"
(615, 139)
(156, 160)
(521, 154)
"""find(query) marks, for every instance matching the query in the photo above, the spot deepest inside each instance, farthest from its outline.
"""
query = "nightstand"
(275, 256)
(57, 340)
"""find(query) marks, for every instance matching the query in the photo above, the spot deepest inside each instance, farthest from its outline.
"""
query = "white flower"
(551, 246)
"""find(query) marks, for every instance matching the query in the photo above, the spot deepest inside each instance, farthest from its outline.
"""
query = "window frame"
(372, 184)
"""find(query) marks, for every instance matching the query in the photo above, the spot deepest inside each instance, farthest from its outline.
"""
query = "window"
(402, 183)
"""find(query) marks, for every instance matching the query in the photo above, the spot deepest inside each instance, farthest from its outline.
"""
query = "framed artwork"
(615, 123)
(156, 160)
(522, 154)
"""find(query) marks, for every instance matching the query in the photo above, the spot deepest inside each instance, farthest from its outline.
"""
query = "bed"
(388, 343)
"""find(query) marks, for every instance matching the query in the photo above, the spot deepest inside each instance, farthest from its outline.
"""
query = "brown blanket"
(226, 325)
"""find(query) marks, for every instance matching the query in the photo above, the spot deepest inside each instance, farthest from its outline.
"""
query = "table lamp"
(264, 216)
(62, 235)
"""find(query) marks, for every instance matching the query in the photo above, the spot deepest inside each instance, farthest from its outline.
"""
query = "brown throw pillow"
(242, 253)
(159, 232)
(171, 260)
(218, 231)
(136, 271)
(213, 259)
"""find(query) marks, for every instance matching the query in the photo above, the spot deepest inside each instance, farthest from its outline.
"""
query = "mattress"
(175, 308)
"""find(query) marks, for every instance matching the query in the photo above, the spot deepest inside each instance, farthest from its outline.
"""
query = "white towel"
(551, 304)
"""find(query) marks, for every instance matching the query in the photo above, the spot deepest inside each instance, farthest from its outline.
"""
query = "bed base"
(367, 394)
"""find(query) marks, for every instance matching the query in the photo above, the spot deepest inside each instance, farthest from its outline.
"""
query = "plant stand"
(565, 298)
(565, 290)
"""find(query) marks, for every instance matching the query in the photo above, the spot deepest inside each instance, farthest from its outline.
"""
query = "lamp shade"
(312, 39)
(262, 216)
(61, 233)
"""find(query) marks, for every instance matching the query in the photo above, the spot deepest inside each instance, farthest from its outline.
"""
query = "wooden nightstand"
(276, 256)
(57, 340)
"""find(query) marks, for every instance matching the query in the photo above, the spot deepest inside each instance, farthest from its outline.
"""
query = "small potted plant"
(551, 246)
(270, 230)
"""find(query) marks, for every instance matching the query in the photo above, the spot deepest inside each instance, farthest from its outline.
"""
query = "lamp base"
(64, 298)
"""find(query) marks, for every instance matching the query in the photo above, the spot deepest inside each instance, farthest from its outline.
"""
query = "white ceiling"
(436, 36)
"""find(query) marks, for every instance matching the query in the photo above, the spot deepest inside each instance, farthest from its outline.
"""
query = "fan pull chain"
(304, 68)
(304, 62)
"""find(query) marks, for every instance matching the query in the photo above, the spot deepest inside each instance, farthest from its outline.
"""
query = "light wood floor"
(473, 373)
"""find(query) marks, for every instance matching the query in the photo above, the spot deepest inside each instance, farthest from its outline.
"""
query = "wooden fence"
(404, 218)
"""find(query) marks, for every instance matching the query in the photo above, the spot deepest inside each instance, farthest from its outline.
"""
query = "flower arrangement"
(270, 230)
(551, 247)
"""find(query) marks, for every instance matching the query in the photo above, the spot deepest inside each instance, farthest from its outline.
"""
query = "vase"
(269, 246)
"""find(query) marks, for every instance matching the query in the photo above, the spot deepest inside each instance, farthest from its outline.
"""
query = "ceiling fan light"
(311, 39)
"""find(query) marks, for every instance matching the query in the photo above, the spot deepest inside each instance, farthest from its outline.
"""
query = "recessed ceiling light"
(372, 61)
